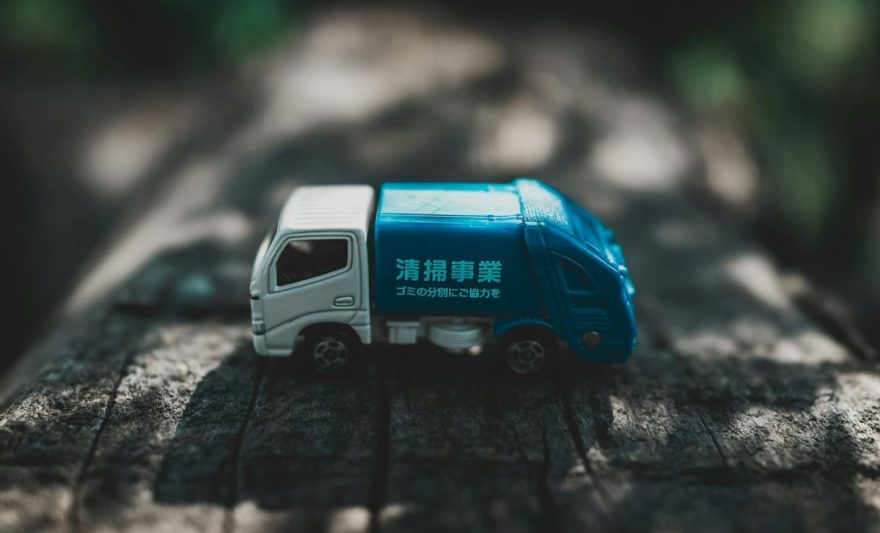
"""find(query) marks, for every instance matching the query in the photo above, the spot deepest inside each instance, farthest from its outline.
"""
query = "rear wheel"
(529, 351)
(330, 351)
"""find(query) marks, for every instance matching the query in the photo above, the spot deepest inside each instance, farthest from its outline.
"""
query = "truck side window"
(304, 259)
(575, 279)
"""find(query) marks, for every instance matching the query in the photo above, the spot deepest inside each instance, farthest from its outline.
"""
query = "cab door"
(310, 278)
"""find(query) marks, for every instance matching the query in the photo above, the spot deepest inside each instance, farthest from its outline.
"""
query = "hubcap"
(526, 356)
(329, 354)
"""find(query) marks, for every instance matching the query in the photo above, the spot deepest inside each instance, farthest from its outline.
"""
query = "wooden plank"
(736, 413)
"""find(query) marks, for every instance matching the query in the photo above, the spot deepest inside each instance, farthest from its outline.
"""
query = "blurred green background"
(798, 81)
(105, 38)
(795, 81)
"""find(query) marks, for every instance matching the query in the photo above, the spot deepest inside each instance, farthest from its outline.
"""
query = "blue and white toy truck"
(458, 265)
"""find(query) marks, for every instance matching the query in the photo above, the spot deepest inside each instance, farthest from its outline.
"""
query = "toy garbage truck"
(458, 265)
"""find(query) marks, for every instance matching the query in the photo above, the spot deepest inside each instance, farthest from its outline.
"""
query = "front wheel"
(330, 351)
(528, 352)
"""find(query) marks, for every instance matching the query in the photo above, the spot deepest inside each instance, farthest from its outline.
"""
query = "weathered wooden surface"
(150, 411)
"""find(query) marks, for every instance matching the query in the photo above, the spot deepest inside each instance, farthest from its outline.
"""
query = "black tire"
(528, 351)
(330, 350)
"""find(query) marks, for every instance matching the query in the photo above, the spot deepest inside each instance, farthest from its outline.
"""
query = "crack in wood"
(74, 517)
(576, 438)
(545, 497)
(541, 475)
(711, 434)
(744, 476)
(235, 454)
(379, 484)
(661, 341)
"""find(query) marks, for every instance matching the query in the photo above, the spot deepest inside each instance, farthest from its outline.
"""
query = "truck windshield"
(304, 259)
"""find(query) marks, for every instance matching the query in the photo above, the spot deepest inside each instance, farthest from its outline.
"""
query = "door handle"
(343, 301)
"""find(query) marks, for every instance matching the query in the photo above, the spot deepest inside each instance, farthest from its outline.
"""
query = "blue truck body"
(520, 253)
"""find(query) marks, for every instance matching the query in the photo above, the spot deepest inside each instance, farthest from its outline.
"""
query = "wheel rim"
(329, 354)
(526, 356)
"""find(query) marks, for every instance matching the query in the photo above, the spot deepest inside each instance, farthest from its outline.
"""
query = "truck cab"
(312, 270)
(458, 265)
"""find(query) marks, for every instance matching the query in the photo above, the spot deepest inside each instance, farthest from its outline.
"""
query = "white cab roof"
(328, 207)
